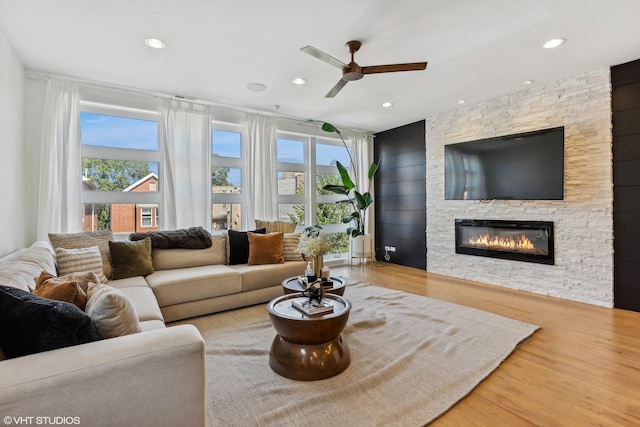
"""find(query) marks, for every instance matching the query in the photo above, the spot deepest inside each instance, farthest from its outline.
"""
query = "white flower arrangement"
(313, 243)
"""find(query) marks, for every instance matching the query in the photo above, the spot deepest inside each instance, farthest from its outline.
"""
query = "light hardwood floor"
(582, 368)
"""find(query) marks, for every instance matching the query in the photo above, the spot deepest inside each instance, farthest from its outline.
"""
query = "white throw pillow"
(80, 260)
(111, 311)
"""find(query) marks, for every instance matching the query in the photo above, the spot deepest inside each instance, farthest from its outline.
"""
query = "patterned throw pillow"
(111, 311)
(277, 226)
(80, 260)
(84, 240)
(290, 250)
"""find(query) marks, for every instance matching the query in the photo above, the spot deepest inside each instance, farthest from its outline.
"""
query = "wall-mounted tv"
(526, 166)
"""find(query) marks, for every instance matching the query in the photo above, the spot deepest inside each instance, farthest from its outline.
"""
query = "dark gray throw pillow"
(31, 324)
(239, 245)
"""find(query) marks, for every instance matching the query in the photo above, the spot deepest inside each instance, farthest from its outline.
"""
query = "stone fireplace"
(528, 241)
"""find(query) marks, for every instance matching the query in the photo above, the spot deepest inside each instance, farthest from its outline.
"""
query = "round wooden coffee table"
(292, 286)
(308, 347)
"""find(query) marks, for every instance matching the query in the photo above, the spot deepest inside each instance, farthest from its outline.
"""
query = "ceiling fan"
(353, 71)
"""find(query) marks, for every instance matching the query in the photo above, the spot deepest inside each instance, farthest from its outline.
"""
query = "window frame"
(310, 199)
(114, 153)
(230, 162)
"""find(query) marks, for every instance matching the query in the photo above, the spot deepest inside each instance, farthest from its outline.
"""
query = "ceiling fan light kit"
(353, 71)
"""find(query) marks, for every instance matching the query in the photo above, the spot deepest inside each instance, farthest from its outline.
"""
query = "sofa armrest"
(154, 378)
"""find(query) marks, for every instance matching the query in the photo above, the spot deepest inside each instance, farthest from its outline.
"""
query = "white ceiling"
(477, 50)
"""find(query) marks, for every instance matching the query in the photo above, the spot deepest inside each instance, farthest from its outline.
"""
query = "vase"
(318, 263)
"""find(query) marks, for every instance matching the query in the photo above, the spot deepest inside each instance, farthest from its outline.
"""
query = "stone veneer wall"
(583, 221)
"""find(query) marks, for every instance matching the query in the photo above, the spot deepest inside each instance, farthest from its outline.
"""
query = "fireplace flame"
(522, 243)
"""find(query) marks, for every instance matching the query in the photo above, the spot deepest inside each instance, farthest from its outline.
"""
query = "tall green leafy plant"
(359, 200)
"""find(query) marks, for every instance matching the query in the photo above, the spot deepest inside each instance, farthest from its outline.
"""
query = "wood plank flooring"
(582, 368)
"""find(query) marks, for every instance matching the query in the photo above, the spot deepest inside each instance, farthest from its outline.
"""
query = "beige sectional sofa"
(152, 378)
(193, 282)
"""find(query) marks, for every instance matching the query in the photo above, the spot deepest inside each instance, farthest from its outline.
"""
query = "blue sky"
(120, 132)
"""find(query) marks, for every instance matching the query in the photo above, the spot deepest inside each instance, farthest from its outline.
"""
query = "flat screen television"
(526, 166)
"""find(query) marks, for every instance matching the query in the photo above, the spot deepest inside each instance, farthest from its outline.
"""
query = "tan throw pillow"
(84, 240)
(111, 311)
(290, 250)
(83, 279)
(57, 288)
(131, 258)
(265, 248)
(277, 226)
(80, 260)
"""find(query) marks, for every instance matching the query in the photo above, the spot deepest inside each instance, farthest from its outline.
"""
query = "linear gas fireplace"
(529, 241)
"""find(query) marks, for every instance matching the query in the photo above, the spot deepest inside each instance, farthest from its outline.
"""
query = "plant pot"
(361, 246)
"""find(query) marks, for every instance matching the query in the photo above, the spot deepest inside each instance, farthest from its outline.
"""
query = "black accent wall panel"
(625, 101)
(400, 196)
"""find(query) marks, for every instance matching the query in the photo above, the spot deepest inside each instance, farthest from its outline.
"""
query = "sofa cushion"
(111, 311)
(84, 240)
(290, 251)
(20, 268)
(31, 324)
(131, 259)
(80, 259)
(277, 226)
(265, 276)
(167, 259)
(265, 248)
(239, 245)
(194, 283)
(52, 287)
(129, 282)
(144, 301)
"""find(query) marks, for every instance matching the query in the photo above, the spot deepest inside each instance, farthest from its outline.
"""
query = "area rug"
(412, 358)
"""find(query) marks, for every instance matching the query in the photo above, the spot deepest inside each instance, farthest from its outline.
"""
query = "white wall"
(583, 221)
(12, 154)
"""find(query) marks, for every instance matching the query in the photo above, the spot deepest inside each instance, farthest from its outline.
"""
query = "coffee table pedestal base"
(308, 362)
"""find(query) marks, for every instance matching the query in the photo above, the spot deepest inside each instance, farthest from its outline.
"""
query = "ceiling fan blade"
(334, 90)
(412, 66)
(323, 56)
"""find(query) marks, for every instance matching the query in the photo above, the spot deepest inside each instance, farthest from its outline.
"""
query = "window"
(291, 178)
(146, 217)
(329, 214)
(226, 176)
(120, 168)
(305, 165)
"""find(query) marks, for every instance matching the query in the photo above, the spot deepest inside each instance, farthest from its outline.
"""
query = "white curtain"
(186, 173)
(260, 132)
(362, 153)
(60, 189)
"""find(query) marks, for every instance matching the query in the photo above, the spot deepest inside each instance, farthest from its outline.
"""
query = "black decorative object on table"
(314, 291)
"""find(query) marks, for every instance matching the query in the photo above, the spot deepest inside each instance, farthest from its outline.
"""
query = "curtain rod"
(127, 89)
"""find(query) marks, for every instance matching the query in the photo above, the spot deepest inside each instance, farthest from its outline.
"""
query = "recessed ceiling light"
(527, 82)
(462, 101)
(298, 81)
(553, 43)
(256, 87)
(155, 43)
(387, 104)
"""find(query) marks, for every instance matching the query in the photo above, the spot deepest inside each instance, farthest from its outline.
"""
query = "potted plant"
(314, 244)
(358, 199)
